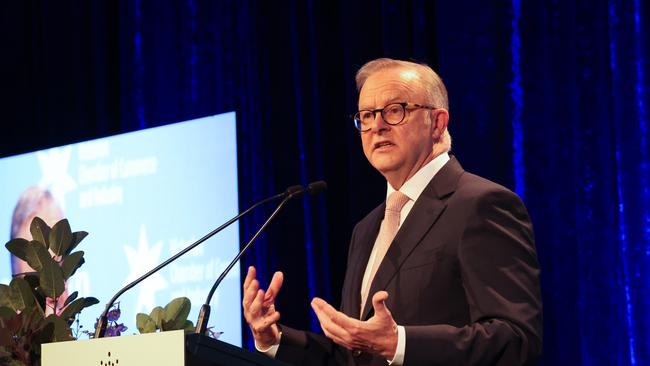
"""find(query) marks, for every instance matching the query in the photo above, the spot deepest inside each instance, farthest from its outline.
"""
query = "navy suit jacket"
(462, 277)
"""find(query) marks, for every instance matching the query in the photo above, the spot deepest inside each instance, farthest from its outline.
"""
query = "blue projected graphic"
(143, 196)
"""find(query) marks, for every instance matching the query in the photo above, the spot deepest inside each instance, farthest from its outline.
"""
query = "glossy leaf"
(77, 237)
(21, 294)
(5, 334)
(188, 326)
(61, 329)
(144, 323)
(37, 255)
(157, 316)
(75, 307)
(176, 313)
(40, 231)
(51, 280)
(7, 312)
(5, 296)
(26, 321)
(71, 298)
(18, 247)
(60, 237)
(71, 263)
(33, 280)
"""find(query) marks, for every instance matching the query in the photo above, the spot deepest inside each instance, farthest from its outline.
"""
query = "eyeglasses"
(393, 114)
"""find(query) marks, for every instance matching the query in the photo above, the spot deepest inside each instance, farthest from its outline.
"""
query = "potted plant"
(30, 314)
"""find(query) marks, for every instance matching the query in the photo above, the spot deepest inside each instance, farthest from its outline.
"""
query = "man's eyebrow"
(394, 99)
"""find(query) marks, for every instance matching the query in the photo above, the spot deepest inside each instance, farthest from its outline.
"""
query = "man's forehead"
(386, 89)
(382, 98)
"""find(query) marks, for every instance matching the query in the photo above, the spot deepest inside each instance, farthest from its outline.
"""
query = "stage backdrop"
(142, 196)
(549, 98)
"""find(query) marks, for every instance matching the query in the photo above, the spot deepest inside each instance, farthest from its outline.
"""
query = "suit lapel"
(367, 234)
(424, 214)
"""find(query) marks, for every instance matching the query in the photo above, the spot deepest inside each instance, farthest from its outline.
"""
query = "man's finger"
(272, 318)
(379, 303)
(256, 306)
(336, 316)
(250, 276)
(274, 286)
(330, 322)
(249, 293)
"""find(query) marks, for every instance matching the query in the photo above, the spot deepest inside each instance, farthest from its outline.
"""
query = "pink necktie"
(387, 233)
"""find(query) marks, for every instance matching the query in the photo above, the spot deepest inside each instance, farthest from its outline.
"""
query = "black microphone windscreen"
(316, 187)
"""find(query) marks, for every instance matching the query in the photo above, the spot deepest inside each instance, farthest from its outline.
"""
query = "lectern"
(167, 348)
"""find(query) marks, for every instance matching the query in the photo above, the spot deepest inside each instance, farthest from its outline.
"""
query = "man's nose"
(378, 123)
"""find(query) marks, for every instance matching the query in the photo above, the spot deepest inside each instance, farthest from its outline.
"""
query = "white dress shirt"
(412, 188)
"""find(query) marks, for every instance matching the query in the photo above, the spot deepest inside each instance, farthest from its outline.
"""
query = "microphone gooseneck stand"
(204, 314)
(100, 330)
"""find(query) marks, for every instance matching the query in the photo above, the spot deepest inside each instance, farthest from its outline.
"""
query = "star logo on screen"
(141, 260)
(54, 169)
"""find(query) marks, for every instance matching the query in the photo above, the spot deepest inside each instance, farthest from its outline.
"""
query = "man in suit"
(444, 272)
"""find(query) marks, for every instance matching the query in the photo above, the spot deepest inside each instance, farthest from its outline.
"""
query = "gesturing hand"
(259, 308)
(376, 335)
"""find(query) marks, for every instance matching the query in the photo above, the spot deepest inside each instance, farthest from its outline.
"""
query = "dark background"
(549, 98)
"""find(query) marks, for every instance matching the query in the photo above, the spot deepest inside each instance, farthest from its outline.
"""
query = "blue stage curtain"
(549, 98)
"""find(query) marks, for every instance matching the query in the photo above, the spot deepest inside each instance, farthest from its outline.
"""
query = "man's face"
(398, 151)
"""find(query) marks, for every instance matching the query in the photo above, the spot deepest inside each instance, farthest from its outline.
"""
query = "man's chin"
(386, 167)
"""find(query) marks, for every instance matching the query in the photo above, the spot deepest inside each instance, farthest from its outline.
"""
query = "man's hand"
(376, 335)
(259, 308)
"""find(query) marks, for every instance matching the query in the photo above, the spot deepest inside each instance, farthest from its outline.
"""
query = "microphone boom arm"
(204, 314)
(100, 330)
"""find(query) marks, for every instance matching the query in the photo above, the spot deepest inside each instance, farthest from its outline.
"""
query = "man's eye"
(393, 109)
(367, 115)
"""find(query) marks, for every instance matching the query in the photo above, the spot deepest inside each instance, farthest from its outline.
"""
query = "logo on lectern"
(109, 362)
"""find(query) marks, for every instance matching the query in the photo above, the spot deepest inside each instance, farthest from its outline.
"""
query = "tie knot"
(396, 201)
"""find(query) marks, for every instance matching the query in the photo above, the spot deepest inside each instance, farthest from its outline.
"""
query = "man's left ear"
(440, 119)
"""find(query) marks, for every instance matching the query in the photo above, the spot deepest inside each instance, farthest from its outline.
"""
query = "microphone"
(316, 187)
(289, 193)
(204, 314)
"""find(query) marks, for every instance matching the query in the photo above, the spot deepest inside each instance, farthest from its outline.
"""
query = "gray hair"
(430, 81)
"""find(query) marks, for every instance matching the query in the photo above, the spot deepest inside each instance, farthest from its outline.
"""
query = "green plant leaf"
(29, 320)
(40, 231)
(188, 326)
(176, 313)
(5, 295)
(5, 337)
(51, 279)
(144, 323)
(71, 298)
(61, 329)
(21, 294)
(77, 237)
(33, 280)
(75, 307)
(71, 263)
(157, 316)
(6, 312)
(60, 237)
(18, 247)
(44, 334)
(36, 255)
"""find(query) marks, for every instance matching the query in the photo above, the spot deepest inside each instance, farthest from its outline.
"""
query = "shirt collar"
(416, 184)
